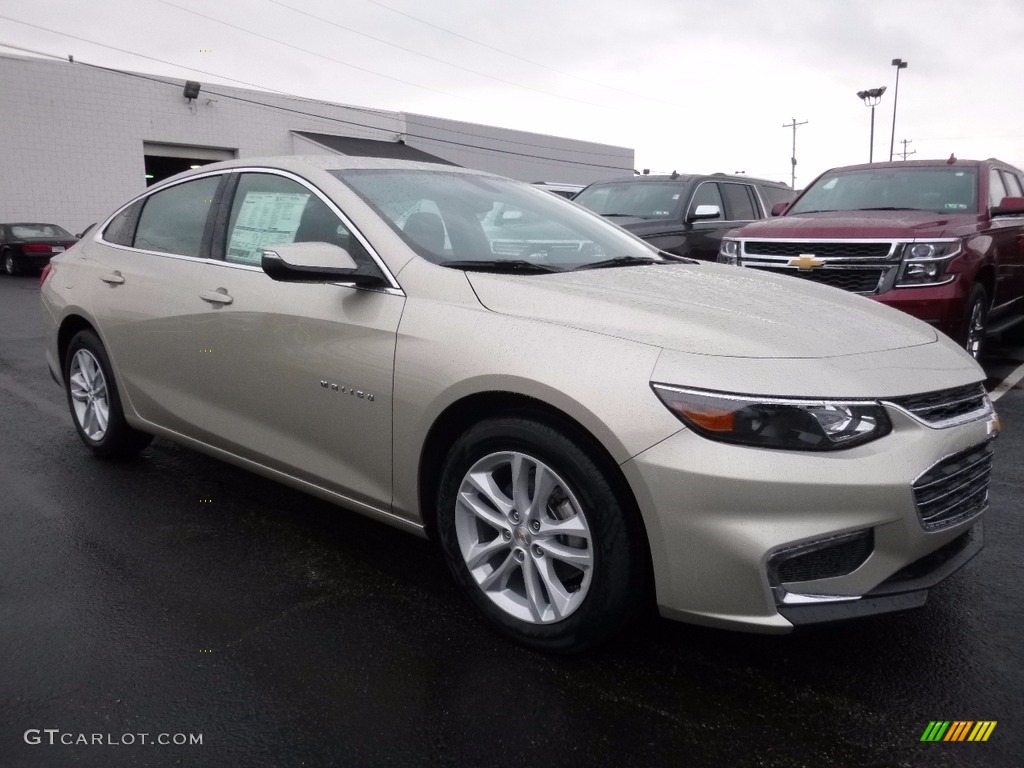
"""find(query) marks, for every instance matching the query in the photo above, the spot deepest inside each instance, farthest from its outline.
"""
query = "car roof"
(305, 163)
(955, 163)
(690, 177)
(29, 224)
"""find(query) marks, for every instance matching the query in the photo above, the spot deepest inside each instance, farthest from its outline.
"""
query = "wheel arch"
(69, 326)
(986, 278)
(471, 409)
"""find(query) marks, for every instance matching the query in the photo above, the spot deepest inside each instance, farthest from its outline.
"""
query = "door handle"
(112, 278)
(220, 296)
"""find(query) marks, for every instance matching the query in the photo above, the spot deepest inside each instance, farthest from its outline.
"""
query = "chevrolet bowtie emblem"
(805, 261)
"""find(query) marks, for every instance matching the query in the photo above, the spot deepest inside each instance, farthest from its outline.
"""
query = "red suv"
(940, 239)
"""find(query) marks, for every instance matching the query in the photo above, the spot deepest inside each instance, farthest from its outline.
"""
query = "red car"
(29, 246)
(942, 240)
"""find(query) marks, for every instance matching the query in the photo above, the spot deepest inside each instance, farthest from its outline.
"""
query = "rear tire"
(975, 322)
(94, 401)
(10, 265)
(555, 561)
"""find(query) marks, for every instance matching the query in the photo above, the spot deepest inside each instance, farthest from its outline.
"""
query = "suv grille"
(855, 280)
(945, 405)
(852, 249)
(955, 489)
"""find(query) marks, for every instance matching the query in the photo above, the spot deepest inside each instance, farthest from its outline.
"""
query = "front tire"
(537, 537)
(94, 401)
(975, 322)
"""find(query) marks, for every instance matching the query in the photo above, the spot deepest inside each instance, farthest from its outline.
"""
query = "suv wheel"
(94, 402)
(975, 322)
(536, 537)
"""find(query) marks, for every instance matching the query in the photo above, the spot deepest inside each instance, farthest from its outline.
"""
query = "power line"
(140, 55)
(905, 153)
(504, 52)
(410, 50)
(314, 53)
(309, 100)
(466, 147)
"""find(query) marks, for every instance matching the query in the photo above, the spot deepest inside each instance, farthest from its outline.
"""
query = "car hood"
(842, 224)
(706, 309)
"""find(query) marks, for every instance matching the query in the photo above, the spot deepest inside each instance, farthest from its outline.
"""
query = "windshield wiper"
(618, 261)
(628, 215)
(499, 265)
(885, 208)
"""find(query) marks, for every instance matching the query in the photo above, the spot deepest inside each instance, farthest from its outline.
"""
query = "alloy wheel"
(524, 537)
(89, 396)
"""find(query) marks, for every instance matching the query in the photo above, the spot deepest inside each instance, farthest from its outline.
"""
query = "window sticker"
(955, 206)
(265, 218)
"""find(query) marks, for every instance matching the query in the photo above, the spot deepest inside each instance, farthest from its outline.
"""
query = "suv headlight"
(729, 251)
(793, 424)
(925, 263)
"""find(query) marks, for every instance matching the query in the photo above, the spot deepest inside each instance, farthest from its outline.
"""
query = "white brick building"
(77, 140)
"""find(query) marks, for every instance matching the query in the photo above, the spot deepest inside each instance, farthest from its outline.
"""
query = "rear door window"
(173, 219)
(739, 202)
(1012, 184)
(996, 190)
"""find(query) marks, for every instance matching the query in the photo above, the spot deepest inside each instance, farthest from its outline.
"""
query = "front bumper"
(716, 514)
(941, 306)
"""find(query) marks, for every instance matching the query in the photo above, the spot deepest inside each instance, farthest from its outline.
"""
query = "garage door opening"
(165, 160)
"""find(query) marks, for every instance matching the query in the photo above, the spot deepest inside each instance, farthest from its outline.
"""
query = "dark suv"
(684, 214)
(942, 240)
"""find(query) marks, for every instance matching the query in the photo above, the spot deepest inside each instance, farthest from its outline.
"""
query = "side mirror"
(1010, 206)
(704, 212)
(313, 263)
(780, 208)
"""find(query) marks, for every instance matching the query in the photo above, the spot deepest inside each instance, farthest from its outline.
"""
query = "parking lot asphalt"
(175, 594)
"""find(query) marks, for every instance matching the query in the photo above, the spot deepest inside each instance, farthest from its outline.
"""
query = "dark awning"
(395, 150)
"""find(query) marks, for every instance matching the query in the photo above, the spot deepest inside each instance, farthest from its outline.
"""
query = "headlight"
(925, 263)
(792, 424)
(728, 252)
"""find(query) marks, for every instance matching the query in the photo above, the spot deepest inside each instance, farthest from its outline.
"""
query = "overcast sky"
(691, 86)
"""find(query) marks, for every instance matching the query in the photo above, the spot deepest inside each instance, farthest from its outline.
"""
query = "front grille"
(946, 404)
(855, 280)
(955, 489)
(824, 560)
(850, 249)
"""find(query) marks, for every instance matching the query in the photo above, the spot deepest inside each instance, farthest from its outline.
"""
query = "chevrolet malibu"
(585, 425)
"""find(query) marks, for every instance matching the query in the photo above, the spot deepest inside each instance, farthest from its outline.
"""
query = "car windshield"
(474, 222)
(947, 189)
(643, 199)
(38, 230)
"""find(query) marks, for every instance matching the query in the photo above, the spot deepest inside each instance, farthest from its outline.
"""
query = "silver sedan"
(588, 427)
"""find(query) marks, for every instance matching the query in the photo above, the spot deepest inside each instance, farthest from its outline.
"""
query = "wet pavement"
(176, 596)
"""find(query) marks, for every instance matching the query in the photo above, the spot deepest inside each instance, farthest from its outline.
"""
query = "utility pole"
(794, 125)
(905, 153)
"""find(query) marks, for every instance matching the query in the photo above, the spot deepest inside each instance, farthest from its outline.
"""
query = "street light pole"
(871, 98)
(899, 64)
